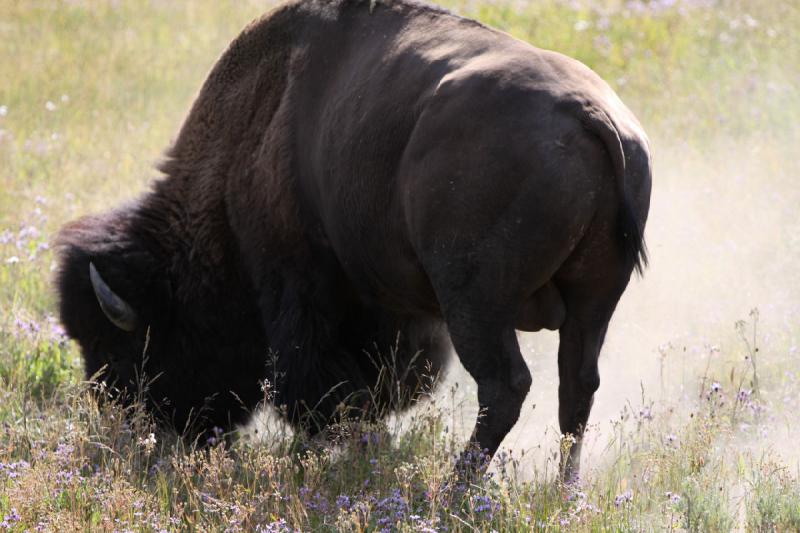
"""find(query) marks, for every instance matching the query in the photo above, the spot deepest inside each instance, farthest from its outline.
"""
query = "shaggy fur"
(353, 177)
(203, 352)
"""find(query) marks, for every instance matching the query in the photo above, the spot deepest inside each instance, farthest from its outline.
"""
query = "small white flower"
(65, 98)
(582, 25)
(13, 259)
(148, 443)
(50, 106)
(3, 110)
(749, 21)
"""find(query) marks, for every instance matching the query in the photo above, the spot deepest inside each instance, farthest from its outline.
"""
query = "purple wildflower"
(11, 470)
(744, 395)
(26, 327)
(625, 497)
(343, 502)
(318, 503)
(391, 509)
(10, 519)
(483, 504)
(371, 437)
(64, 451)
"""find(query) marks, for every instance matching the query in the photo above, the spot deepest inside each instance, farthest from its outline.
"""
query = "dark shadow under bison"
(360, 178)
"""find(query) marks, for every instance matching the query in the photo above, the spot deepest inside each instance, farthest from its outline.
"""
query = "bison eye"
(117, 310)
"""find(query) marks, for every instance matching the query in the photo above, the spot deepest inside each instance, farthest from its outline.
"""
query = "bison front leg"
(490, 353)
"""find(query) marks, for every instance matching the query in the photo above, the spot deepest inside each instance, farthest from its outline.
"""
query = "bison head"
(149, 327)
(108, 292)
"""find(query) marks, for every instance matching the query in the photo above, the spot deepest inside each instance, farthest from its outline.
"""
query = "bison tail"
(633, 243)
(630, 227)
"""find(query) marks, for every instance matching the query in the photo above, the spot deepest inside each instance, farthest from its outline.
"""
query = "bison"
(359, 178)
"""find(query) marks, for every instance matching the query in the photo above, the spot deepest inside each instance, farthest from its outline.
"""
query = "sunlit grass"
(68, 462)
(91, 94)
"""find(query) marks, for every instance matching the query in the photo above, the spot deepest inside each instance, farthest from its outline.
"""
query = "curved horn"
(118, 311)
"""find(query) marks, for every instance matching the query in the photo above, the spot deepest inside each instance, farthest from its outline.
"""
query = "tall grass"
(91, 94)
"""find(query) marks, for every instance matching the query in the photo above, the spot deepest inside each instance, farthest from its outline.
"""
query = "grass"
(92, 92)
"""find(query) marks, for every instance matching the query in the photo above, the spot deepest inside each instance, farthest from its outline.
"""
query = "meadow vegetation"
(695, 424)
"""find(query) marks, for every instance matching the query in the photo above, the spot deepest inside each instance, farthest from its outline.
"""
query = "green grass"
(92, 93)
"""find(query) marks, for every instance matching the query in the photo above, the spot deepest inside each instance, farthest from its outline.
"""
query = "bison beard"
(359, 179)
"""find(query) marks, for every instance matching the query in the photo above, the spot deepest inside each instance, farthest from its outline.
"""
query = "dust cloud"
(723, 236)
(723, 239)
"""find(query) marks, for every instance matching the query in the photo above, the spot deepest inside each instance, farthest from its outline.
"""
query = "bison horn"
(118, 311)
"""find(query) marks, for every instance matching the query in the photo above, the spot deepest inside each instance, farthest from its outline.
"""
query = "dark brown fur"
(350, 172)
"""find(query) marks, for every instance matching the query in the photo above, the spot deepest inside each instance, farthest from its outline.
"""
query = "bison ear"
(117, 310)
